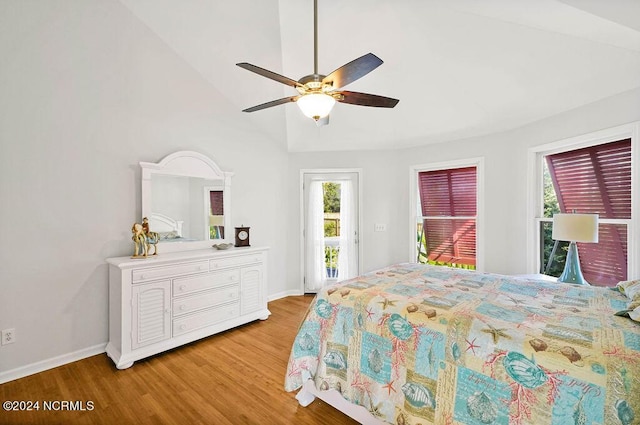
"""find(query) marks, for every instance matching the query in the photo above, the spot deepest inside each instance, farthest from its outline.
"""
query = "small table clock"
(242, 236)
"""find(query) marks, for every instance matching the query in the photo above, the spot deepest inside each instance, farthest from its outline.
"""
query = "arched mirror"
(187, 200)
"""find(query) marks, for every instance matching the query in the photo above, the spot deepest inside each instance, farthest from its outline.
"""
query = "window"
(593, 175)
(446, 225)
(331, 196)
(216, 214)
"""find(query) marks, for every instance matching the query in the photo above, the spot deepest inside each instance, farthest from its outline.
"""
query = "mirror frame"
(188, 164)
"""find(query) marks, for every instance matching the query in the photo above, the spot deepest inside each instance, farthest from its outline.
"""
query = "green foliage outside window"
(331, 192)
(331, 256)
(551, 207)
(331, 201)
(331, 227)
(331, 197)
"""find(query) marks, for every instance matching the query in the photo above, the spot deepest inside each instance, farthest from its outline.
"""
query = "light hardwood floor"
(236, 377)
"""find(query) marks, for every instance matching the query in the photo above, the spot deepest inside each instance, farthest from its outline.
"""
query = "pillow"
(168, 235)
(631, 288)
(635, 314)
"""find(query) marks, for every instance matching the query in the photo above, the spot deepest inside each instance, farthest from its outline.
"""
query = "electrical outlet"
(8, 336)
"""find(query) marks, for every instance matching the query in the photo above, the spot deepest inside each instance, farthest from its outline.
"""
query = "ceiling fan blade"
(366, 99)
(272, 103)
(355, 69)
(269, 74)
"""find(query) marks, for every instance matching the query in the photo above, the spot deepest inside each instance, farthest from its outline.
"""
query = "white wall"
(87, 92)
(386, 177)
(379, 205)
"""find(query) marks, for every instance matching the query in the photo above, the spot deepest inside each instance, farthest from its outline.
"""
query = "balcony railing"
(426, 257)
(331, 253)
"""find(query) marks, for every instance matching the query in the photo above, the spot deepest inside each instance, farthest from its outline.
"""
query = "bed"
(420, 344)
(168, 229)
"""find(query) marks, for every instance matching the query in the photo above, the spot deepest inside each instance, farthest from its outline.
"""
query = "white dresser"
(162, 302)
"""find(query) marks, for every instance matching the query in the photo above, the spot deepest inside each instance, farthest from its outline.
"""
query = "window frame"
(414, 171)
(535, 189)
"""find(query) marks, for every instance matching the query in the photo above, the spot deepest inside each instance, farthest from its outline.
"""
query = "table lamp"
(574, 228)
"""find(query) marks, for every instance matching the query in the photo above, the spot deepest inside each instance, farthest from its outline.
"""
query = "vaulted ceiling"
(460, 68)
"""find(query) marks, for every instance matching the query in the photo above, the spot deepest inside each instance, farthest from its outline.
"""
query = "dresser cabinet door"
(251, 289)
(151, 313)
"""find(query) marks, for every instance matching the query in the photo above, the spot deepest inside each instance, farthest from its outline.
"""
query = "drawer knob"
(183, 307)
(183, 287)
(183, 327)
(142, 276)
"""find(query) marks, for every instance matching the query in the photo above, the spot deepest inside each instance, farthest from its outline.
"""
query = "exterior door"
(330, 227)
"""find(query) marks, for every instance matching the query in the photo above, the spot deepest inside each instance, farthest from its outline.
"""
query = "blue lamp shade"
(574, 228)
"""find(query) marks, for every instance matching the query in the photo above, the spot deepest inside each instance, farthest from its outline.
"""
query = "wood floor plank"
(233, 378)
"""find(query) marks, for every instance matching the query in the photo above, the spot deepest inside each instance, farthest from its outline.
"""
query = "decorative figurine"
(140, 239)
(152, 237)
(144, 238)
(145, 225)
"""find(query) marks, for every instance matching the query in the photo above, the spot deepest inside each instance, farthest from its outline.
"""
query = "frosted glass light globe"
(316, 105)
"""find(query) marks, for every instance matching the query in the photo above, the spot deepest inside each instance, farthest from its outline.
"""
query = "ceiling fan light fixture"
(318, 92)
(316, 105)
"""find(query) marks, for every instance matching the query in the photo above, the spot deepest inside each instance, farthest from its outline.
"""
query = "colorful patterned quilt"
(418, 344)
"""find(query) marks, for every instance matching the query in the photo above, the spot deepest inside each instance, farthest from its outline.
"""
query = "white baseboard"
(284, 294)
(51, 363)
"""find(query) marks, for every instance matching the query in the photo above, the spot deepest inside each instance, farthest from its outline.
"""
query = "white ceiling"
(460, 68)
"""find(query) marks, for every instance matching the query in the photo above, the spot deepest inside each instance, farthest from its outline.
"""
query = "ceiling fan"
(318, 93)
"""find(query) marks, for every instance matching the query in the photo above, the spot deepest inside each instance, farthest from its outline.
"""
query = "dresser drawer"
(205, 318)
(190, 303)
(222, 263)
(207, 281)
(142, 275)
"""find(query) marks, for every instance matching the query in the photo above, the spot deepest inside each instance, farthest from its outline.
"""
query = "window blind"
(448, 204)
(216, 200)
(597, 180)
